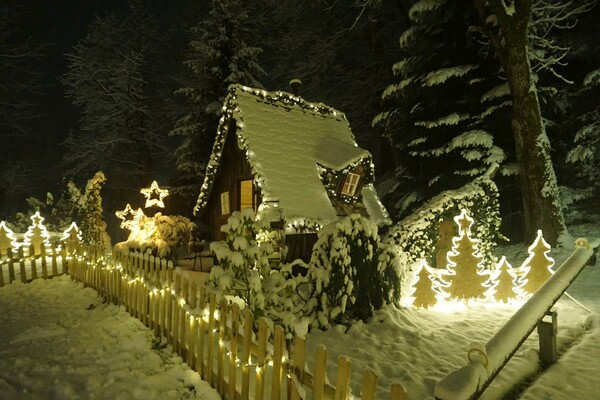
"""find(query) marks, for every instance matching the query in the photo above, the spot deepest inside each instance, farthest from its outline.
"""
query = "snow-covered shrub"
(417, 234)
(158, 235)
(242, 261)
(350, 274)
(93, 227)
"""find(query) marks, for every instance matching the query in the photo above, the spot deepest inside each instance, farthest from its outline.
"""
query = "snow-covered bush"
(93, 227)
(417, 234)
(158, 235)
(242, 261)
(350, 273)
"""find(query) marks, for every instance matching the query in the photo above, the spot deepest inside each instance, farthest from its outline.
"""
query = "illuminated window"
(247, 195)
(350, 184)
(224, 203)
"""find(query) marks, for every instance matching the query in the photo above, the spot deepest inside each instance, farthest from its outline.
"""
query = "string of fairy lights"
(160, 287)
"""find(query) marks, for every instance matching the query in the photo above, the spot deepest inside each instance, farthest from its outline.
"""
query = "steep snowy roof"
(286, 139)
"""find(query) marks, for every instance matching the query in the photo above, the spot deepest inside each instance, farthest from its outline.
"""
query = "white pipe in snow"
(469, 381)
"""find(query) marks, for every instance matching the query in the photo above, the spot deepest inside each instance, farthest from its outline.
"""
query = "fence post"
(11, 267)
(398, 392)
(222, 325)
(278, 345)
(201, 333)
(299, 350)
(44, 263)
(21, 265)
(245, 360)
(343, 378)
(32, 261)
(211, 340)
(320, 372)
(547, 338)
(54, 263)
(193, 327)
(261, 359)
(235, 315)
(369, 386)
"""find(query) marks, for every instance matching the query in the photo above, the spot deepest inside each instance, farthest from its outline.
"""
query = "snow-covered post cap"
(296, 85)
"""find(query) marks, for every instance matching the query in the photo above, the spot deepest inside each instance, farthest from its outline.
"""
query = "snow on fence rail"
(470, 381)
(240, 357)
(26, 264)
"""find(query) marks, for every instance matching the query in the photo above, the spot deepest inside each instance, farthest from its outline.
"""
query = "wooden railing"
(240, 357)
(23, 264)
(470, 381)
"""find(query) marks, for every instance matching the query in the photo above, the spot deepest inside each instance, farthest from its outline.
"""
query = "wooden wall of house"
(233, 167)
(300, 246)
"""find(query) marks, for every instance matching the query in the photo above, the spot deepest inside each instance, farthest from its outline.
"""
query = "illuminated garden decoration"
(130, 218)
(537, 268)
(154, 195)
(423, 287)
(7, 238)
(71, 238)
(37, 234)
(502, 283)
(465, 277)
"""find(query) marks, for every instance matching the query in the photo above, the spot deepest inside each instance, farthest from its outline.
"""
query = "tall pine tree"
(220, 54)
(447, 106)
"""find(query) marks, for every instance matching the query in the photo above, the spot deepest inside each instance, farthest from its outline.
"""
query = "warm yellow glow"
(154, 195)
(129, 217)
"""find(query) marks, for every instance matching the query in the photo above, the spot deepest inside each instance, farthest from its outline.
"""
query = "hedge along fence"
(240, 357)
(415, 237)
(25, 265)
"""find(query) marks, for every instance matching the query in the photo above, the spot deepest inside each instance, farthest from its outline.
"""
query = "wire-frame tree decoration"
(537, 268)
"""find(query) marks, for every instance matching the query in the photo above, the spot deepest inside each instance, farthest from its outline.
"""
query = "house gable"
(288, 142)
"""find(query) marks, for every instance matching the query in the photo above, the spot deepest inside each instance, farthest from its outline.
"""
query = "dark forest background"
(133, 88)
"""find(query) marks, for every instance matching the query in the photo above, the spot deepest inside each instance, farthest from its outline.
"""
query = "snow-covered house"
(274, 150)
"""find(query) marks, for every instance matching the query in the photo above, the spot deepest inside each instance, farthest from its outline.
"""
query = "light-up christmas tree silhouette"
(7, 238)
(71, 238)
(466, 277)
(37, 234)
(502, 285)
(537, 268)
(423, 292)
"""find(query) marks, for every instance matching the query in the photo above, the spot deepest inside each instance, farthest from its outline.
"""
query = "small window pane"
(246, 195)
(350, 184)
(224, 203)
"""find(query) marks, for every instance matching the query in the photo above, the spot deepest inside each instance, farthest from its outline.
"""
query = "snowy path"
(58, 341)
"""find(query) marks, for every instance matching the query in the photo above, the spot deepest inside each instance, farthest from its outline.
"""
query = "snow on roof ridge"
(276, 96)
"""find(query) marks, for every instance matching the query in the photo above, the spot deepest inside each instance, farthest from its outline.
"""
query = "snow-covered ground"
(60, 341)
(418, 348)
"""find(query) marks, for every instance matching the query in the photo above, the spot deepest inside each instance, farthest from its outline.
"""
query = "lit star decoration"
(129, 217)
(37, 234)
(154, 195)
(7, 238)
(537, 268)
(465, 277)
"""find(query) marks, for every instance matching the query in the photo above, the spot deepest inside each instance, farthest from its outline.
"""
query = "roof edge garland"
(230, 104)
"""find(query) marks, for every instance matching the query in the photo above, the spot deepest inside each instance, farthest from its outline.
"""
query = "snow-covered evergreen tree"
(447, 107)
(466, 276)
(221, 53)
(243, 262)
(113, 79)
(350, 273)
(93, 227)
(537, 269)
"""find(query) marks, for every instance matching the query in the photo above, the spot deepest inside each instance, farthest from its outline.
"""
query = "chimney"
(296, 84)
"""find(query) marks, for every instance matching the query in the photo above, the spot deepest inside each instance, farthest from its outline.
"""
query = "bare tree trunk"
(541, 201)
(541, 204)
